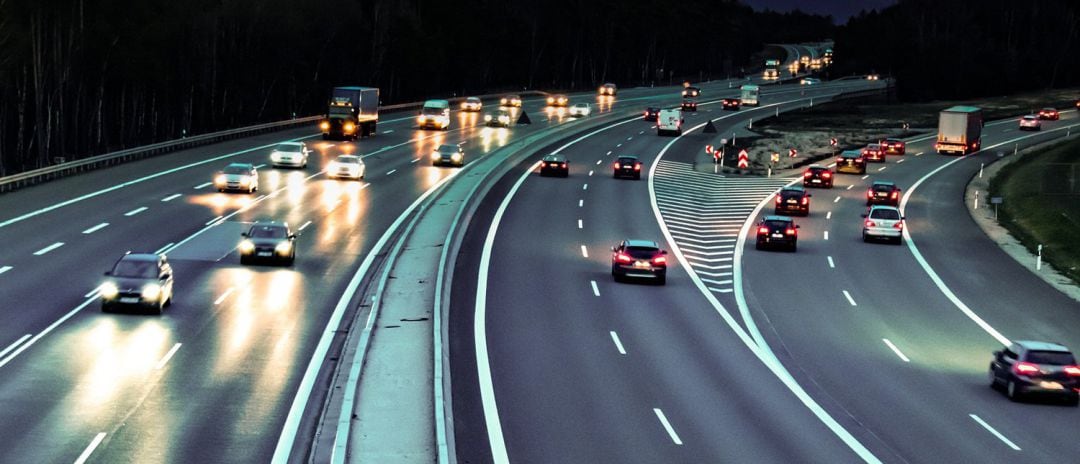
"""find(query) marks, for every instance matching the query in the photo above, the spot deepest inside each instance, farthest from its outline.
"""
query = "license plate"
(792, 202)
(641, 264)
(881, 194)
(129, 299)
(816, 181)
(1051, 385)
(778, 235)
(264, 253)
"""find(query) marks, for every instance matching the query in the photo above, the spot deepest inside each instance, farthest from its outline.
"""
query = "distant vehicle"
(268, 241)
(1078, 104)
(691, 91)
(732, 104)
(352, 112)
(435, 114)
(558, 101)
(651, 113)
(750, 94)
(639, 258)
(777, 231)
(555, 164)
(141, 280)
(851, 161)
(772, 70)
(883, 222)
(883, 192)
(608, 89)
(809, 81)
(1049, 114)
(580, 109)
(874, 153)
(1036, 368)
(448, 154)
(959, 130)
(291, 154)
(627, 166)
(1030, 122)
(817, 175)
(792, 199)
(894, 146)
(872, 77)
(472, 104)
(500, 118)
(689, 105)
(510, 100)
(669, 122)
(346, 167)
(237, 177)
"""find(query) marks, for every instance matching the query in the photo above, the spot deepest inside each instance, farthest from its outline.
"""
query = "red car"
(1049, 114)
(894, 146)
(873, 153)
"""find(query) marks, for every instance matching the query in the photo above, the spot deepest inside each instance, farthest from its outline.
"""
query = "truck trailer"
(351, 113)
(959, 130)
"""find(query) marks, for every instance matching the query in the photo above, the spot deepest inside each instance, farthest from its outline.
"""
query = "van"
(435, 114)
(669, 122)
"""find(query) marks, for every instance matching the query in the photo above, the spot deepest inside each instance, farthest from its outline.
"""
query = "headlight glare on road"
(246, 247)
(151, 291)
(109, 290)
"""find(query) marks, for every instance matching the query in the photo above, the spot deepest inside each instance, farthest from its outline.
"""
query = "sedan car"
(809, 81)
(608, 89)
(558, 101)
(777, 231)
(883, 192)
(792, 199)
(691, 91)
(290, 154)
(510, 100)
(652, 113)
(639, 259)
(237, 177)
(268, 241)
(873, 77)
(817, 175)
(139, 280)
(472, 104)
(883, 222)
(580, 109)
(732, 104)
(627, 166)
(1030, 122)
(689, 105)
(500, 118)
(1049, 114)
(346, 167)
(894, 146)
(555, 164)
(851, 161)
(1036, 368)
(448, 154)
(874, 153)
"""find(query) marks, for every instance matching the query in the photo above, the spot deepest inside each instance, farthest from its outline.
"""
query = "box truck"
(959, 130)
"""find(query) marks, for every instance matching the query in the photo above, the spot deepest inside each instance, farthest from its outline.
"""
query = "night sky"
(839, 9)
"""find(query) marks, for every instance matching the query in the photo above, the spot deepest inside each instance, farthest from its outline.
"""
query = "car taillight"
(623, 258)
(839, 160)
(1072, 371)
(869, 223)
(790, 231)
(779, 200)
(826, 174)
(805, 201)
(659, 260)
(895, 194)
(543, 164)
(898, 225)
(807, 174)
(1025, 368)
(637, 167)
(617, 166)
(763, 230)
(870, 193)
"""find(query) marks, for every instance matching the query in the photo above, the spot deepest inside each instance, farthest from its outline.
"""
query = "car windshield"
(288, 148)
(628, 160)
(553, 158)
(791, 193)
(236, 169)
(135, 268)
(641, 252)
(267, 232)
(886, 214)
(1053, 358)
(581, 105)
(448, 148)
(346, 159)
(432, 111)
(473, 100)
(777, 224)
(883, 187)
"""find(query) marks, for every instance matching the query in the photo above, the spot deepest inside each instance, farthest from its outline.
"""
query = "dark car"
(448, 154)
(627, 166)
(268, 241)
(874, 153)
(851, 161)
(817, 175)
(731, 104)
(792, 199)
(894, 146)
(883, 192)
(140, 280)
(1049, 114)
(639, 258)
(554, 164)
(689, 105)
(652, 113)
(777, 231)
(1036, 368)
(691, 92)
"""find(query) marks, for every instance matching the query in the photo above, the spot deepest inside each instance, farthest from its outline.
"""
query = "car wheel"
(617, 277)
(637, 176)
(993, 379)
(793, 247)
(1073, 401)
(1012, 391)
(106, 308)
(243, 260)
(758, 246)
(662, 280)
(865, 238)
(221, 190)
(168, 302)
(899, 240)
(326, 136)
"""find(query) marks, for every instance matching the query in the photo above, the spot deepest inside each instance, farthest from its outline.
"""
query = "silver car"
(883, 222)
(290, 154)
(237, 176)
(346, 167)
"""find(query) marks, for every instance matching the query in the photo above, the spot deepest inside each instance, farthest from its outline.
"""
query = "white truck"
(434, 115)
(669, 122)
(959, 130)
(750, 95)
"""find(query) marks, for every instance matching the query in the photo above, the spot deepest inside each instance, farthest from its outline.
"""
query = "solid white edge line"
(14, 345)
(7, 359)
(212, 221)
(93, 292)
(162, 249)
(584, 252)
(618, 343)
(165, 359)
(595, 289)
(995, 432)
(896, 350)
(48, 248)
(95, 228)
(849, 298)
(667, 426)
(90, 448)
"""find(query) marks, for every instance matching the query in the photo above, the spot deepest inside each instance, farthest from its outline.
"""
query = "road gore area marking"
(171, 197)
(667, 426)
(165, 359)
(995, 432)
(96, 228)
(618, 343)
(90, 448)
(595, 289)
(895, 350)
(48, 248)
(849, 298)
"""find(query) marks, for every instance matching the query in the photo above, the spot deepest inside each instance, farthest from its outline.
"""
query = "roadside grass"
(1041, 204)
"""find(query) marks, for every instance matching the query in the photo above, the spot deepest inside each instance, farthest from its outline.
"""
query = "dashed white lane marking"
(598, 162)
(90, 448)
(608, 153)
(162, 249)
(919, 154)
(48, 248)
(828, 215)
(590, 172)
(901, 161)
(849, 298)
(580, 203)
(629, 138)
(14, 345)
(641, 132)
(864, 177)
(826, 235)
(851, 186)
(881, 168)
(391, 171)
(580, 225)
(995, 432)
(306, 224)
(584, 251)
(171, 197)
(96, 228)
(203, 185)
(415, 160)
(224, 296)
(585, 187)
(595, 289)
(5, 269)
(618, 343)
(837, 200)
(388, 131)
(667, 426)
(136, 211)
(831, 263)
(619, 145)
(212, 221)
(896, 350)
(165, 360)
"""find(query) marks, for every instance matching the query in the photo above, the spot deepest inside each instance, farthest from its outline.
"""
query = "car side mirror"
(243, 234)
(863, 215)
(612, 248)
(108, 273)
(798, 226)
(809, 195)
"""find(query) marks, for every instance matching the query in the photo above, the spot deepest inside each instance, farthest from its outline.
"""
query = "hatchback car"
(792, 199)
(809, 81)
(732, 104)
(472, 104)
(627, 166)
(652, 113)
(689, 105)
(500, 118)
(555, 164)
(346, 167)
(851, 161)
(268, 241)
(1049, 114)
(1036, 368)
(558, 100)
(883, 222)
(580, 109)
(448, 154)
(139, 280)
(237, 177)
(777, 231)
(691, 92)
(1030, 122)
(510, 100)
(290, 154)
(894, 146)
(639, 258)
(608, 89)
(817, 175)
(873, 153)
(883, 192)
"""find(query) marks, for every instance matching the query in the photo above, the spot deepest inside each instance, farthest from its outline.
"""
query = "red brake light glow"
(659, 260)
(826, 174)
(870, 223)
(1072, 371)
(637, 167)
(763, 230)
(790, 231)
(805, 201)
(1025, 368)
(623, 258)
(807, 174)
(895, 194)
(870, 193)
(617, 166)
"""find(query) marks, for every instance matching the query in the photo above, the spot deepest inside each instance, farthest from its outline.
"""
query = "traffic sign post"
(793, 153)
(996, 201)
(775, 158)
(744, 159)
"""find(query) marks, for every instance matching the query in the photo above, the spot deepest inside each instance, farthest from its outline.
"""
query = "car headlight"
(421, 118)
(109, 290)
(456, 157)
(151, 291)
(283, 248)
(220, 180)
(245, 180)
(504, 119)
(349, 127)
(325, 125)
(246, 247)
(435, 155)
(503, 101)
(332, 166)
(275, 156)
(487, 117)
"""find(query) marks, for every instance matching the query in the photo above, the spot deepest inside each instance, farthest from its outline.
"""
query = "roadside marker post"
(1038, 259)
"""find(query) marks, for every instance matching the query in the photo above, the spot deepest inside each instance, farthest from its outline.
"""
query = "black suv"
(883, 193)
(691, 92)
(777, 231)
(851, 161)
(142, 280)
(554, 164)
(731, 104)
(652, 113)
(268, 241)
(627, 166)
(639, 258)
(817, 175)
(1030, 367)
(793, 199)
(689, 105)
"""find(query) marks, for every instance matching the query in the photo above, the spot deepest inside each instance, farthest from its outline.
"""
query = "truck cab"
(351, 113)
(669, 122)
(750, 95)
(435, 114)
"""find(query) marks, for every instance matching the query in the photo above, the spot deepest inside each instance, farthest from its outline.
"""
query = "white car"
(580, 109)
(883, 222)
(472, 104)
(237, 177)
(1030, 122)
(290, 154)
(346, 167)
(809, 81)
